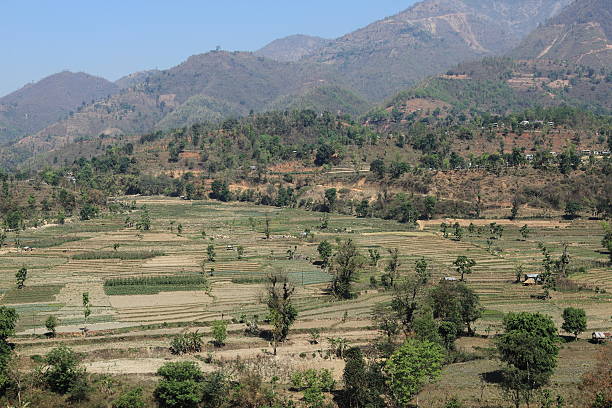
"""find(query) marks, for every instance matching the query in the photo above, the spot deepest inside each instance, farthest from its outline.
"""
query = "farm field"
(146, 286)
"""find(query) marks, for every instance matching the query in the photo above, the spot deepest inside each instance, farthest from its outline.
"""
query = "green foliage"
(126, 255)
(574, 321)
(529, 349)
(88, 212)
(281, 312)
(186, 343)
(219, 332)
(220, 191)
(51, 323)
(210, 253)
(455, 302)
(181, 385)
(325, 252)
(412, 366)
(363, 381)
(144, 223)
(347, 264)
(130, 399)
(62, 371)
(154, 284)
(313, 378)
(464, 265)
(8, 320)
(21, 276)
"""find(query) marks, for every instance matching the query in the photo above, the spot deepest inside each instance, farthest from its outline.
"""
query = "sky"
(113, 38)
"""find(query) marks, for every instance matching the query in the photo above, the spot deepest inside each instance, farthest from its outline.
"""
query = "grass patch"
(152, 285)
(123, 255)
(31, 294)
(248, 281)
(50, 241)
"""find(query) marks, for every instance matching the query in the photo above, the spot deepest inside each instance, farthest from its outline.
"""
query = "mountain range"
(350, 74)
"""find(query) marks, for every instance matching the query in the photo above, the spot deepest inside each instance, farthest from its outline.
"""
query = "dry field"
(129, 333)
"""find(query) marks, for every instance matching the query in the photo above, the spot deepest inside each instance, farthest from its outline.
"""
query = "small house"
(450, 279)
(600, 337)
(532, 279)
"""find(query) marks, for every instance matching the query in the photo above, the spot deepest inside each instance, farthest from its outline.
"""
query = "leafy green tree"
(281, 311)
(458, 232)
(529, 349)
(464, 266)
(378, 168)
(363, 382)
(144, 223)
(392, 269)
(325, 252)
(331, 196)
(455, 302)
(406, 296)
(572, 208)
(574, 321)
(210, 252)
(606, 241)
(21, 276)
(181, 385)
(412, 366)
(8, 320)
(220, 191)
(525, 232)
(219, 332)
(430, 207)
(88, 212)
(86, 306)
(267, 230)
(130, 399)
(347, 264)
(62, 370)
(374, 256)
(51, 325)
(363, 209)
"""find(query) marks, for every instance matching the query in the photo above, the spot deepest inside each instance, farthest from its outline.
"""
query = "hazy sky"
(112, 38)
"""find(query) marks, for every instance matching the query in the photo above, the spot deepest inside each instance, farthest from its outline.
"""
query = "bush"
(219, 333)
(181, 385)
(62, 372)
(130, 399)
(186, 343)
(312, 378)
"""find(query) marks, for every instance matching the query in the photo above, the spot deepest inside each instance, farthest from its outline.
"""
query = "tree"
(88, 212)
(282, 313)
(210, 252)
(374, 256)
(606, 241)
(406, 295)
(430, 207)
(392, 269)
(464, 266)
(325, 252)
(458, 232)
(378, 168)
(267, 227)
(21, 276)
(220, 191)
(363, 208)
(219, 333)
(346, 266)
(455, 302)
(8, 319)
(412, 366)
(529, 349)
(86, 307)
(386, 321)
(62, 370)
(51, 324)
(515, 208)
(572, 208)
(363, 381)
(181, 385)
(331, 196)
(574, 321)
(144, 223)
(2, 238)
(240, 250)
(524, 232)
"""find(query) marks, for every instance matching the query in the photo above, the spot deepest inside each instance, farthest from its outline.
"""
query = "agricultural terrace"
(146, 286)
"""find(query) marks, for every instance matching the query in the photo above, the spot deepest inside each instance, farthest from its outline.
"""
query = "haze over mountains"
(350, 74)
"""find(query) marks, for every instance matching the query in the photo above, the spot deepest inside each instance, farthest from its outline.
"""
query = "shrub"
(219, 333)
(130, 399)
(312, 378)
(62, 371)
(186, 343)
